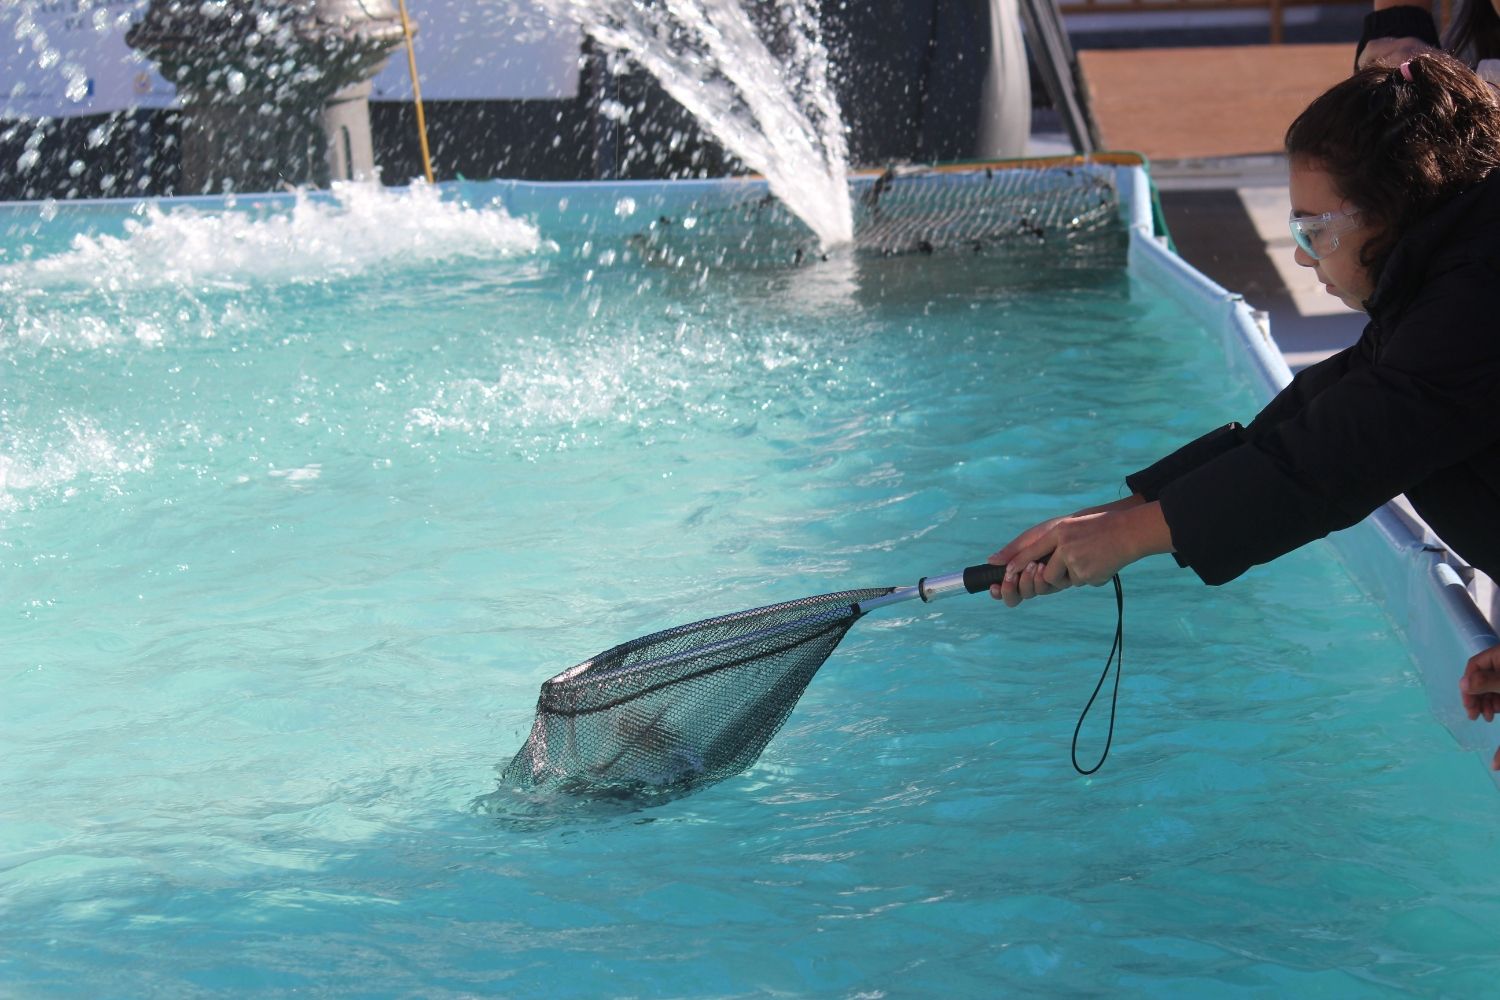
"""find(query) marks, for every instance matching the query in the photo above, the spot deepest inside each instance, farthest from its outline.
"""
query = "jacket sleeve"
(1376, 426)
(1311, 381)
(1150, 481)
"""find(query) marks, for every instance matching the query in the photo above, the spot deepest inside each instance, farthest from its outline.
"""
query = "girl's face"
(1338, 267)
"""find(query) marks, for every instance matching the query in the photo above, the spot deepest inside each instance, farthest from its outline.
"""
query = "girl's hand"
(1088, 547)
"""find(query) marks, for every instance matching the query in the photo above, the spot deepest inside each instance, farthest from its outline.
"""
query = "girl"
(1395, 191)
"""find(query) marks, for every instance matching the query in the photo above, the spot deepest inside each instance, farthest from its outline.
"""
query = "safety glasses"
(1318, 235)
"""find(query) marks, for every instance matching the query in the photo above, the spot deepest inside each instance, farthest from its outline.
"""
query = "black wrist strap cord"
(1117, 660)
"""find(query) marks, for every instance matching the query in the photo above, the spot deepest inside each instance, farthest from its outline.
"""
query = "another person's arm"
(1395, 31)
(1480, 687)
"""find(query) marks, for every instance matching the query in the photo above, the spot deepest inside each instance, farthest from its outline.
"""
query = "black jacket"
(1413, 407)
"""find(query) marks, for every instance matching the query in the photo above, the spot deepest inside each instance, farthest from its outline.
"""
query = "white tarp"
(470, 50)
(63, 58)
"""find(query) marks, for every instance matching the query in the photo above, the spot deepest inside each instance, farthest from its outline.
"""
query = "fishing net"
(1066, 217)
(979, 209)
(668, 713)
(664, 715)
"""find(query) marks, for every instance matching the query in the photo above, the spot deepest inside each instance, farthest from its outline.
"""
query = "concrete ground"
(1205, 102)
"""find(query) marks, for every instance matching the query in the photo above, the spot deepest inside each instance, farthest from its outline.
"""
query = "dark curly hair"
(1400, 148)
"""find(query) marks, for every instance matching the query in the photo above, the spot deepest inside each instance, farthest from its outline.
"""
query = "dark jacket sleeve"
(1150, 481)
(1397, 22)
(1362, 429)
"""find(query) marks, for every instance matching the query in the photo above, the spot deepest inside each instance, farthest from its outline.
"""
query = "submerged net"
(1066, 216)
(979, 209)
(668, 713)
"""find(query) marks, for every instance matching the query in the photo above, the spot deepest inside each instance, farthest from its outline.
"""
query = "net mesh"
(1066, 216)
(670, 712)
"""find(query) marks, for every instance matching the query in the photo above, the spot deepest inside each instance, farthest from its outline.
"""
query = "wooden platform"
(1195, 103)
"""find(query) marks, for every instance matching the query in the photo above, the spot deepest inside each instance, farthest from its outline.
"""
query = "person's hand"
(1009, 591)
(1480, 687)
(1088, 547)
(1061, 553)
(1391, 51)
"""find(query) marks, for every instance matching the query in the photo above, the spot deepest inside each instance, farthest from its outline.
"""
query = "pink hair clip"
(1406, 71)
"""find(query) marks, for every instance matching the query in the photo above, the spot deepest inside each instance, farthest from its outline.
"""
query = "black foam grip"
(977, 578)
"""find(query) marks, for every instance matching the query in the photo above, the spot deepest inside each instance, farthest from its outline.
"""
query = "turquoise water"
(299, 507)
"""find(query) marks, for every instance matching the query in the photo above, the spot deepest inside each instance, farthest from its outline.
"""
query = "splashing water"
(57, 458)
(778, 115)
(356, 227)
(169, 268)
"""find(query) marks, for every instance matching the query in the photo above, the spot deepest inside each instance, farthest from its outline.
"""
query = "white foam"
(356, 227)
(300, 476)
(77, 449)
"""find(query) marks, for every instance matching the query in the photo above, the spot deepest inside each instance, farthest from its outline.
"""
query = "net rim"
(844, 605)
(847, 616)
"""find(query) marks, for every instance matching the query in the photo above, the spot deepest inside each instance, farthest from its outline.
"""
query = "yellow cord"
(416, 91)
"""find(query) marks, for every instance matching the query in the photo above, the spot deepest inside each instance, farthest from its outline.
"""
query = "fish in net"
(682, 708)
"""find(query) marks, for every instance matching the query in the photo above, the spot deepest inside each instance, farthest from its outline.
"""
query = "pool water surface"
(299, 506)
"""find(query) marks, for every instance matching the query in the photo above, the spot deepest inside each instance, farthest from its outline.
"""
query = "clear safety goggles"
(1318, 235)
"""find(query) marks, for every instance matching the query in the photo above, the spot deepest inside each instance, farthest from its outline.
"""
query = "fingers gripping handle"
(970, 581)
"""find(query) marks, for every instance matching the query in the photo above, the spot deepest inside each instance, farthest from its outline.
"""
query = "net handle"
(970, 580)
